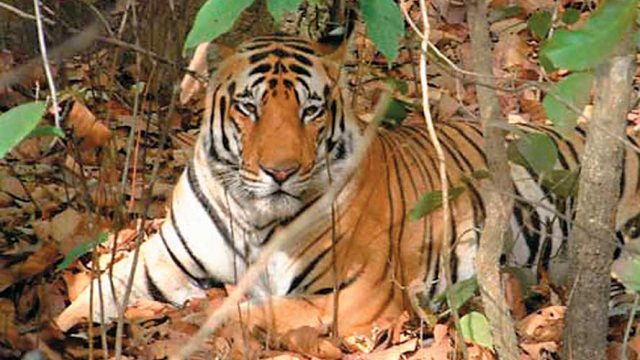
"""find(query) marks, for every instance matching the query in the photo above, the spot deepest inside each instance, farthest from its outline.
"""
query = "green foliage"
(475, 328)
(575, 89)
(47, 130)
(385, 25)
(535, 150)
(570, 16)
(587, 47)
(540, 23)
(561, 182)
(432, 201)
(277, 8)
(627, 267)
(459, 293)
(504, 12)
(17, 123)
(80, 250)
(214, 18)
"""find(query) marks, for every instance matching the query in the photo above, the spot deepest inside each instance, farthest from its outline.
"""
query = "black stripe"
(173, 256)
(176, 228)
(156, 293)
(302, 48)
(258, 57)
(260, 69)
(202, 199)
(257, 81)
(303, 59)
(299, 70)
(223, 111)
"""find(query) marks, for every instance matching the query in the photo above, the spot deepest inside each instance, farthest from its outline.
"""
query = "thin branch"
(23, 14)
(45, 62)
(442, 171)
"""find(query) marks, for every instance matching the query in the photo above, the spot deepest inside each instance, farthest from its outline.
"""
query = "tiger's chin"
(275, 208)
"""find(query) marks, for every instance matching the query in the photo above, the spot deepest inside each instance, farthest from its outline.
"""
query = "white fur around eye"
(247, 108)
(311, 111)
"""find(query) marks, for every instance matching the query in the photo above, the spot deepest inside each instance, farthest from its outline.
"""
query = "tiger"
(276, 133)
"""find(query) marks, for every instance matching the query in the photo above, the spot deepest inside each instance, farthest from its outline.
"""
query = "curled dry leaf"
(543, 325)
(441, 348)
(86, 127)
(310, 341)
(539, 351)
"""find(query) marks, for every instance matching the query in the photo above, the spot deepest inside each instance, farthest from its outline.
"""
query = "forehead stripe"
(260, 69)
(303, 59)
(299, 70)
(304, 49)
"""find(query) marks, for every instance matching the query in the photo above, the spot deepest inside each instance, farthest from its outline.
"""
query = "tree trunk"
(592, 243)
(499, 206)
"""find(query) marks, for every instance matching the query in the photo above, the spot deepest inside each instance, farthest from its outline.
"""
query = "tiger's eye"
(247, 108)
(309, 111)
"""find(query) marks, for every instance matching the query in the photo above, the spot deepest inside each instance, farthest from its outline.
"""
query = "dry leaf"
(539, 351)
(310, 341)
(543, 325)
(394, 352)
(12, 186)
(441, 347)
(86, 127)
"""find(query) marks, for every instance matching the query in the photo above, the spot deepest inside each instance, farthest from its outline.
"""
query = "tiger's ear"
(224, 51)
(334, 46)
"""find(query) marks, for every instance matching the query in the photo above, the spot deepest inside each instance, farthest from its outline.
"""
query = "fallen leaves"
(86, 127)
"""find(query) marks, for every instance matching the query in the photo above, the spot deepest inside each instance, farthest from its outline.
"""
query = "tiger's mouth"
(281, 193)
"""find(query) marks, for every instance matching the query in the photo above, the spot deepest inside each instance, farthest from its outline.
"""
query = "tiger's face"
(276, 131)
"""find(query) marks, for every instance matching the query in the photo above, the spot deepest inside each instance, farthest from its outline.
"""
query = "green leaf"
(47, 130)
(396, 110)
(459, 292)
(475, 328)
(537, 150)
(504, 12)
(277, 8)
(17, 123)
(81, 249)
(574, 89)
(540, 23)
(627, 267)
(561, 182)
(432, 201)
(588, 46)
(385, 25)
(214, 18)
(571, 16)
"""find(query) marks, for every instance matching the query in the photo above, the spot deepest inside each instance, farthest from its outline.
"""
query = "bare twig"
(23, 14)
(45, 62)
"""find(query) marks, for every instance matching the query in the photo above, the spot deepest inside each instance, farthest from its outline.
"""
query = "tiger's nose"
(281, 173)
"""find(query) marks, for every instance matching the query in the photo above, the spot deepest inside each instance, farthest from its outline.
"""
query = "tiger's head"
(275, 130)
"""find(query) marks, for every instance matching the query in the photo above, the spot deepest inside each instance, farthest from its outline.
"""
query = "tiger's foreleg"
(155, 277)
